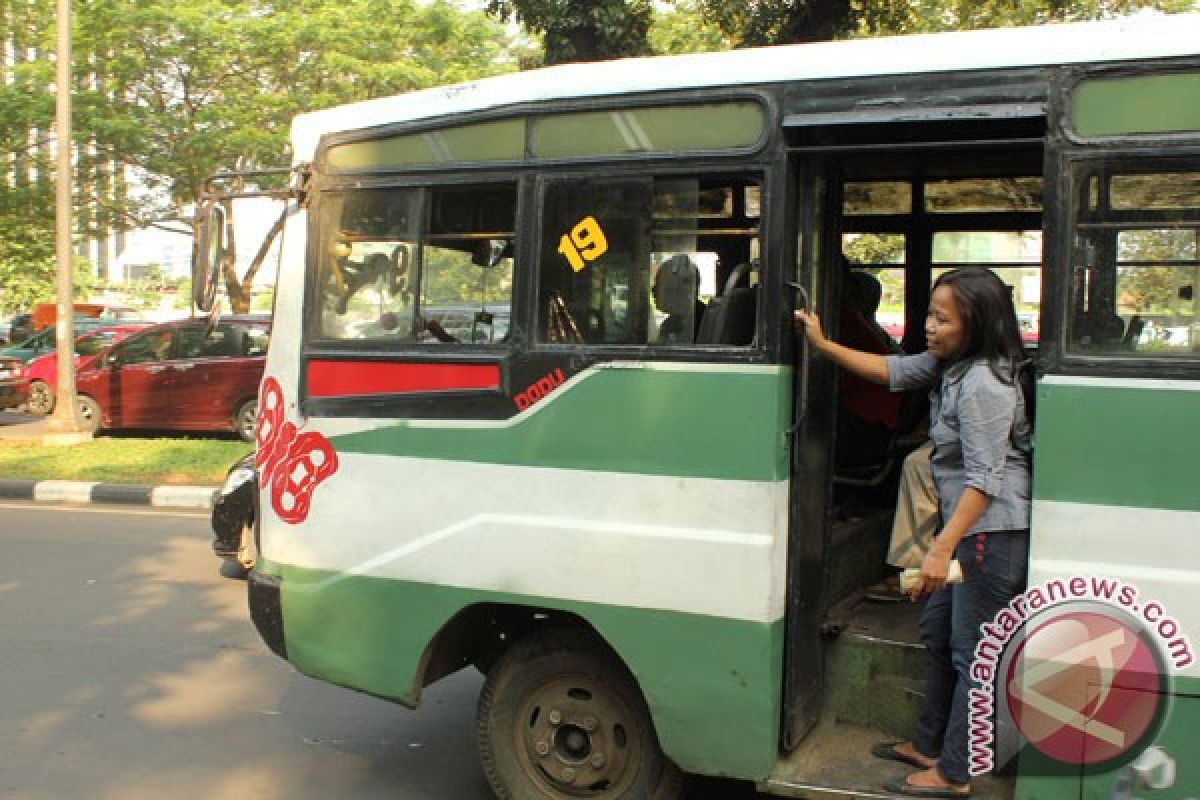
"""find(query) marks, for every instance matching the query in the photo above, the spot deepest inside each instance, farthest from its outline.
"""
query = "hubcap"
(246, 421)
(577, 738)
(40, 399)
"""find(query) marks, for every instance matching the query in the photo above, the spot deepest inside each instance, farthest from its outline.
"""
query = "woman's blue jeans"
(994, 567)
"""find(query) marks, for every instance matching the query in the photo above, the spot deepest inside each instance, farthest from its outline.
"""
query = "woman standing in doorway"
(980, 389)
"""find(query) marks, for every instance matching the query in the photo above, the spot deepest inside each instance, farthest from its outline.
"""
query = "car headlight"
(237, 479)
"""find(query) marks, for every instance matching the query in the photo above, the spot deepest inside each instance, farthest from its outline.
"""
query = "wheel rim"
(41, 400)
(579, 738)
(246, 418)
(89, 414)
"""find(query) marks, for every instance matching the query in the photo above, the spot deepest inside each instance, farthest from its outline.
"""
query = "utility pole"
(64, 425)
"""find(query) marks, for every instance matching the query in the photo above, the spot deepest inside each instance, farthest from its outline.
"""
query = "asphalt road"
(129, 669)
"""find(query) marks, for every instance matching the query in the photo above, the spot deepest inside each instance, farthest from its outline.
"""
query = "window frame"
(314, 343)
(658, 351)
(1078, 167)
(765, 99)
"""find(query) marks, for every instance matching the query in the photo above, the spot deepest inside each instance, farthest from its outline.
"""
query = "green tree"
(170, 92)
(764, 22)
(684, 27)
(28, 266)
(582, 30)
(883, 17)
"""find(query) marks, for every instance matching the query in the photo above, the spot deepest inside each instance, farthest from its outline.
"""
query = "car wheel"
(561, 717)
(41, 398)
(89, 413)
(244, 420)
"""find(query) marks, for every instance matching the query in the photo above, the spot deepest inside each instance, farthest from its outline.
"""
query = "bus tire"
(561, 717)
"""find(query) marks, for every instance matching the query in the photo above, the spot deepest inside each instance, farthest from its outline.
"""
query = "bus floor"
(874, 685)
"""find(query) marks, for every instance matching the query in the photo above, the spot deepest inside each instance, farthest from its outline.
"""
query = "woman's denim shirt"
(980, 433)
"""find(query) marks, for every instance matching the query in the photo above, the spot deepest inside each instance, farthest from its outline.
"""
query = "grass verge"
(183, 461)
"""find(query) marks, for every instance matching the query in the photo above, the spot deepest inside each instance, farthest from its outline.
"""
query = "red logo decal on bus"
(291, 463)
(539, 389)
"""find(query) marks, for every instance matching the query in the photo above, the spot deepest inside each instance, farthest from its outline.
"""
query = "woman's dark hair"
(990, 328)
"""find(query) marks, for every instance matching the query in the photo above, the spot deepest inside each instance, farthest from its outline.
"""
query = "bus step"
(875, 669)
(834, 761)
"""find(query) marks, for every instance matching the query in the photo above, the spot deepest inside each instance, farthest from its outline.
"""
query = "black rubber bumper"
(266, 610)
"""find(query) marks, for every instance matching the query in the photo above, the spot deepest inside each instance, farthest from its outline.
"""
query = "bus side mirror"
(207, 253)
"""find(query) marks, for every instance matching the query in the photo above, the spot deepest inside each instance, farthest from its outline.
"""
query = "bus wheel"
(560, 717)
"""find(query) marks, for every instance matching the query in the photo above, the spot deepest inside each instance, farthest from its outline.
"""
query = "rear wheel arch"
(478, 634)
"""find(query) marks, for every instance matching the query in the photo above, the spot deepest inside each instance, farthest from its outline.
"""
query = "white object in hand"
(910, 576)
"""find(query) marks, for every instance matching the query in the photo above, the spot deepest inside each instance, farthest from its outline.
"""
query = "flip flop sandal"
(888, 751)
(909, 790)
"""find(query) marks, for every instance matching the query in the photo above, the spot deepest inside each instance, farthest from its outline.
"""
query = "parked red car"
(14, 385)
(175, 376)
(43, 370)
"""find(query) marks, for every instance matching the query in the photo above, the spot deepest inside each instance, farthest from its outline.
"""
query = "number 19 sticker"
(585, 242)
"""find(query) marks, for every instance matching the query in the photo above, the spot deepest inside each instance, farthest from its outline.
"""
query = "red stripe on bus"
(350, 378)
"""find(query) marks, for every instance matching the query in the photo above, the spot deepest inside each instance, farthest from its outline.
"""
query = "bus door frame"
(811, 181)
(816, 183)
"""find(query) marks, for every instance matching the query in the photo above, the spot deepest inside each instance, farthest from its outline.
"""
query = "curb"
(79, 492)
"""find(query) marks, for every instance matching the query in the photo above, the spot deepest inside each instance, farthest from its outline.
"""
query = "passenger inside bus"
(869, 415)
(676, 291)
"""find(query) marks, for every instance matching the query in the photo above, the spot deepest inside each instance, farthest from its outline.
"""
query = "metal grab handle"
(804, 306)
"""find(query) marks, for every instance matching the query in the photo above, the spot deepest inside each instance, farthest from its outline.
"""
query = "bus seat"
(730, 316)
(1098, 330)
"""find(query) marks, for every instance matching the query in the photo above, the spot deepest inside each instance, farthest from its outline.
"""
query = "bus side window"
(418, 265)
(1136, 263)
(595, 259)
(639, 261)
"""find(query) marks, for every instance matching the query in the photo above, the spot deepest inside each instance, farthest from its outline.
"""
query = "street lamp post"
(64, 425)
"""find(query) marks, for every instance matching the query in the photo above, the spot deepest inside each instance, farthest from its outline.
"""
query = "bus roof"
(1145, 35)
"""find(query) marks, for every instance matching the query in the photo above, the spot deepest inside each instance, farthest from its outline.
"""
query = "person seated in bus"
(915, 522)
(868, 414)
(676, 290)
(981, 381)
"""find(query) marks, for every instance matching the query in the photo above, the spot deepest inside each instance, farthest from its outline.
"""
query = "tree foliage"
(766, 22)
(169, 92)
(878, 18)
(582, 30)
(685, 27)
(27, 261)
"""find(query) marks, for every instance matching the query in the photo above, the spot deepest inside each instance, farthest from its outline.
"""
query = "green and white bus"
(492, 433)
